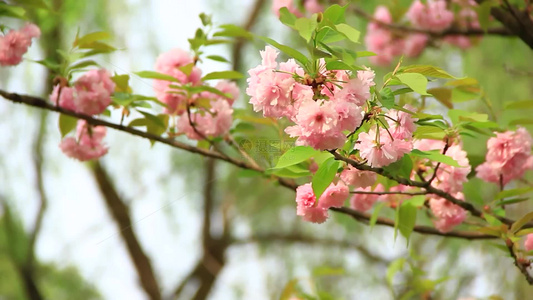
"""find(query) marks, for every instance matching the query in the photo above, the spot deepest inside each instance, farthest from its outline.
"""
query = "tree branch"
(521, 264)
(120, 213)
(40, 103)
(365, 218)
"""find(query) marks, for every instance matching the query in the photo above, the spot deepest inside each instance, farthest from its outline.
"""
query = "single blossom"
(381, 150)
(358, 178)
(508, 157)
(310, 210)
(179, 64)
(15, 44)
(401, 124)
(213, 122)
(448, 214)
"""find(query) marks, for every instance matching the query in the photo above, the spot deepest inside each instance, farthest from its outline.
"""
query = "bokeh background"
(173, 195)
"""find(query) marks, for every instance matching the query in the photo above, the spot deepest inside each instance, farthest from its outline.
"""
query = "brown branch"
(521, 264)
(365, 218)
(120, 213)
(38, 167)
(40, 103)
(388, 193)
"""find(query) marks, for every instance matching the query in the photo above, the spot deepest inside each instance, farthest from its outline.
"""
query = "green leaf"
(521, 222)
(375, 214)
(293, 53)
(525, 104)
(286, 17)
(91, 38)
(217, 58)
(157, 120)
(415, 81)
(402, 167)
(305, 27)
(365, 53)
(122, 83)
(12, 11)
(443, 95)
(512, 201)
(386, 97)
(521, 122)
(435, 155)
(206, 19)
(295, 156)
(223, 75)
(66, 124)
(492, 220)
(351, 33)
(156, 75)
(289, 172)
(407, 220)
(430, 71)
(459, 116)
(337, 65)
(83, 64)
(324, 176)
(328, 271)
(231, 30)
(513, 192)
(417, 201)
(31, 3)
(335, 13)
(394, 268)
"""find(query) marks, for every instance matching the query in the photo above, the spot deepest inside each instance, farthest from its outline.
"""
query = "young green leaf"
(156, 75)
(351, 33)
(407, 220)
(66, 124)
(324, 176)
(415, 81)
(435, 155)
(223, 75)
(295, 156)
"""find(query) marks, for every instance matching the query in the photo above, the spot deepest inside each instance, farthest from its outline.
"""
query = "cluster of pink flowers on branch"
(90, 95)
(15, 44)
(322, 107)
(203, 114)
(315, 211)
(88, 143)
(434, 16)
(508, 157)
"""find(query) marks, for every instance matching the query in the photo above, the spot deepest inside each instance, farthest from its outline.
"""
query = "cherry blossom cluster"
(15, 44)
(322, 107)
(434, 16)
(315, 211)
(87, 144)
(508, 157)
(202, 115)
(90, 95)
(310, 6)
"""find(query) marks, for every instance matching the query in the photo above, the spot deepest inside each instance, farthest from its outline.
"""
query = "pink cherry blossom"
(384, 150)
(87, 144)
(170, 63)
(15, 44)
(401, 124)
(358, 178)
(307, 207)
(528, 244)
(313, 6)
(448, 214)
(66, 97)
(289, 4)
(93, 92)
(508, 157)
(364, 202)
(415, 44)
(334, 195)
(214, 122)
(396, 199)
(432, 16)
(228, 87)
